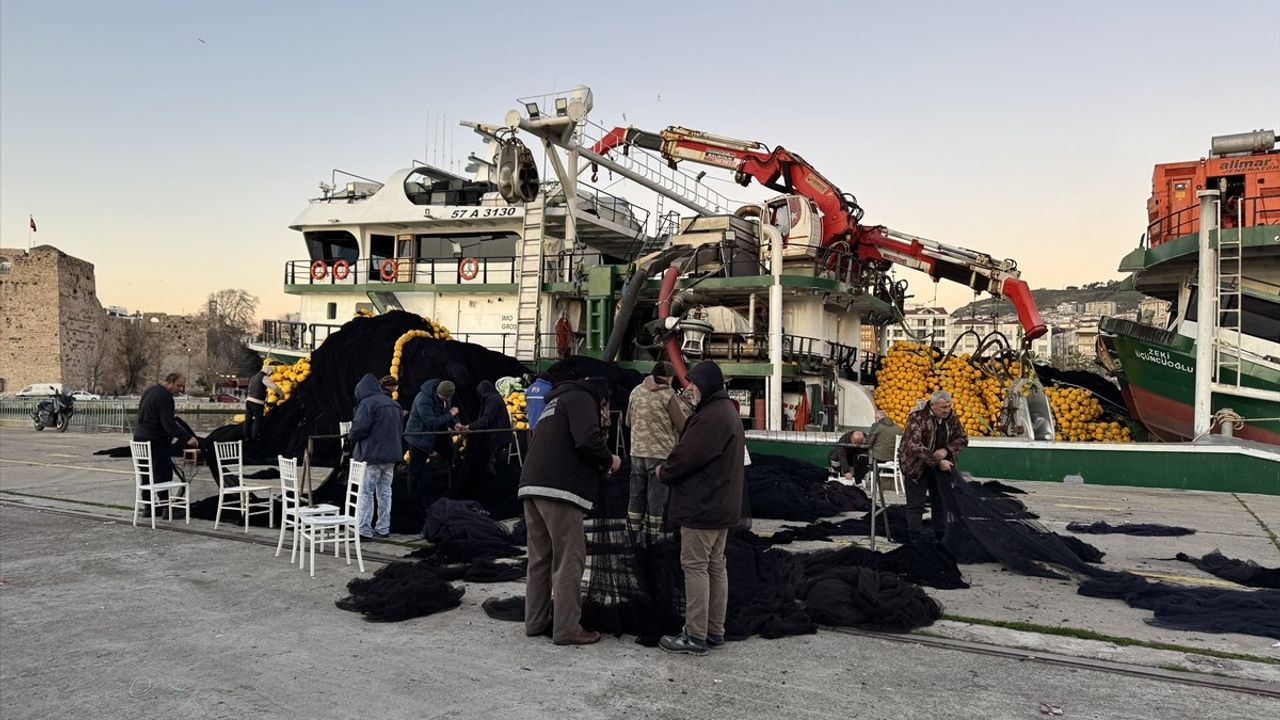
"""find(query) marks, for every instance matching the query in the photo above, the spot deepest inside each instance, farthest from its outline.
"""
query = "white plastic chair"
(229, 457)
(177, 492)
(339, 529)
(291, 505)
(890, 470)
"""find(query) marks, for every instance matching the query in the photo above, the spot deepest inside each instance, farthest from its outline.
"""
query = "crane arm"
(779, 169)
(786, 172)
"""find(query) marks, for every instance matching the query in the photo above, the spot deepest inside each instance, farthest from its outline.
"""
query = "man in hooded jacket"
(568, 458)
(704, 471)
(375, 431)
(493, 416)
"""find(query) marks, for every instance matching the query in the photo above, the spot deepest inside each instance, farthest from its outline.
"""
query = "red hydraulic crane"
(786, 172)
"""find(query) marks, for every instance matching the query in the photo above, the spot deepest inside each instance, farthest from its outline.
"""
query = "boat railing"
(570, 266)
(294, 336)
(1237, 212)
(503, 342)
(428, 271)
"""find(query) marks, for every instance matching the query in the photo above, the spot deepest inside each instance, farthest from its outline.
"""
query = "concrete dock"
(102, 619)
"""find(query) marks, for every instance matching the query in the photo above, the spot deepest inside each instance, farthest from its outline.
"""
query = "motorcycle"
(54, 412)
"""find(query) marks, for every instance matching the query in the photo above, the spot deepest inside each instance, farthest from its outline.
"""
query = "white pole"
(1206, 314)
(775, 327)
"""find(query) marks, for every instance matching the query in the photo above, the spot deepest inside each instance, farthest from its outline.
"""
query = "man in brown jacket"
(704, 472)
(930, 443)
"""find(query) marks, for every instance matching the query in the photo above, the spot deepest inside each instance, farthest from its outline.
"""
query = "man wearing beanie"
(704, 472)
(568, 458)
(651, 414)
(433, 411)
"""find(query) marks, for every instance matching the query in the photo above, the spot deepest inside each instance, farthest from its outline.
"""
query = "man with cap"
(375, 432)
(704, 472)
(934, 436)
(567, 460)
(433, 411)
(651, 412)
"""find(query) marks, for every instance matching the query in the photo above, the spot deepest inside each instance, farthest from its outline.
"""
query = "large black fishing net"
(639, 589)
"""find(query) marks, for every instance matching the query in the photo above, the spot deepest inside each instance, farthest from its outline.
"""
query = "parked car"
(40, 390)
(225, 398)
(85, 395)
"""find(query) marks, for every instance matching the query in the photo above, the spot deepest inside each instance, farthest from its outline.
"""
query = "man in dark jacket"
(704, 471)
(568, 457)
(493, 417)
(927, 454)
(157, 423)
(433, 411)
(375, 431)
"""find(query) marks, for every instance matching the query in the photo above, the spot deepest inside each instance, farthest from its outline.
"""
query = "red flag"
(33, 224)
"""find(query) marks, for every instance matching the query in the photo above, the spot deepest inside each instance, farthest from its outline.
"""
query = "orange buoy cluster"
(911, 372)
(1078, 417)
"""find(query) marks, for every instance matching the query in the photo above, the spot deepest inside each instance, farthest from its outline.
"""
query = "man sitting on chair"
(850, 463)
(881, 439)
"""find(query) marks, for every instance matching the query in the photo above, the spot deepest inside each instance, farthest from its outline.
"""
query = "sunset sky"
(171, 144)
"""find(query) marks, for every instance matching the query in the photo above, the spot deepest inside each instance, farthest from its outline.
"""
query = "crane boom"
(786, 172)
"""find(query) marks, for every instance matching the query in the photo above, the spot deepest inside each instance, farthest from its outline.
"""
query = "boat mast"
(1206, 315)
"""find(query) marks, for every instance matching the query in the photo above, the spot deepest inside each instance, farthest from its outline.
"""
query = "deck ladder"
(1228, 352)
(530, 279)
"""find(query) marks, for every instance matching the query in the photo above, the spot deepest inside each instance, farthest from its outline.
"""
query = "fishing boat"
(1212, 250)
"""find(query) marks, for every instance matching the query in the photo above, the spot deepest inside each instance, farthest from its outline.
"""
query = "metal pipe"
(1206, 317)
(774, 238)
(664, 311)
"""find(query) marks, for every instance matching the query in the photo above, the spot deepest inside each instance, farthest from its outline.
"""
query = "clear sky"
(171, 143)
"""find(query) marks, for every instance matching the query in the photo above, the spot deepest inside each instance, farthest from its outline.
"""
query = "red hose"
(664, 311)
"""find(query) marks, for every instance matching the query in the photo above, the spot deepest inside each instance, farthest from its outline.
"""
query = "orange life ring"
(389, 269)
(341, 269)
(469, 268)
(319, 269)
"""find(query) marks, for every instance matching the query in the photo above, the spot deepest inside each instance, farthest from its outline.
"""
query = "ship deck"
(80, 586)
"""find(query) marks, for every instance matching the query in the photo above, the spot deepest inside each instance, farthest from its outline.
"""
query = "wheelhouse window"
(477, 245)
(331, 245)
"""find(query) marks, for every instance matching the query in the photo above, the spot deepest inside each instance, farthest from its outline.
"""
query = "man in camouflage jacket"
(931, 441)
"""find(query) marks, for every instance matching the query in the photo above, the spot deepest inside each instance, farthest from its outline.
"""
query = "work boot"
(684, 643)
(586, 637)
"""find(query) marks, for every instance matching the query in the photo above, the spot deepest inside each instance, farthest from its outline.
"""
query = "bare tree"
(228, 319)
(136, 351)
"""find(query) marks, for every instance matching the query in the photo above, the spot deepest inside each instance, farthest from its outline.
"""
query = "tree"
(136, 351)
(228, 319)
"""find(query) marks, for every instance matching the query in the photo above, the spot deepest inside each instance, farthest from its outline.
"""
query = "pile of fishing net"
(783, 488)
